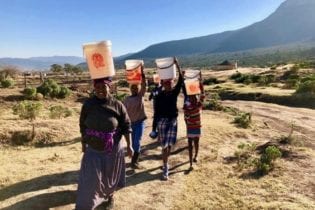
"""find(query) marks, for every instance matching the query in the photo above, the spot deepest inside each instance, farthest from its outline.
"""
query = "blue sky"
(60, 27)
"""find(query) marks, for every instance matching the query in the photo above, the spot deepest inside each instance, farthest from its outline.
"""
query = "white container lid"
(164, 62)
(131, 64)
(105, 42)
(192, 74)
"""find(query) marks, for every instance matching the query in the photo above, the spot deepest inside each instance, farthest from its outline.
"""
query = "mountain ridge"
(292, 21)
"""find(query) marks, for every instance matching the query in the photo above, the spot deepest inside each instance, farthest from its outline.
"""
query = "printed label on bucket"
(134, 76)
(192, 87)
(98, 60)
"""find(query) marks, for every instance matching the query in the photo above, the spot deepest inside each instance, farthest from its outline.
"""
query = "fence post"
(24, 80)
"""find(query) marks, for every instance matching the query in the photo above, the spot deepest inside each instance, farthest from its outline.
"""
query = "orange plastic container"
(133, 71)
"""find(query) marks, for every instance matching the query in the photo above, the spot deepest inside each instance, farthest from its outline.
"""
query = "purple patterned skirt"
(101, 173)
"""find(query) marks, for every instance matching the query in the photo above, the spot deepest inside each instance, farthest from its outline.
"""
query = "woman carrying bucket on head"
(166, 108)
(193, 99)
(135, 105)
(103, 122)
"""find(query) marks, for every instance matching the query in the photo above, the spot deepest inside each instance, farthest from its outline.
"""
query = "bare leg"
(165, 155)
(196, 143)
(190, 150)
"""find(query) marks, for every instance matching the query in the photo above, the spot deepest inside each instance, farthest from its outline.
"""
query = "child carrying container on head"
(135, 108)
(192, 114)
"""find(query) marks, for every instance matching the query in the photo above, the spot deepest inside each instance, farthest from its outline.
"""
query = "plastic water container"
(99, 59)
(192, 74)
(133, 71)
(192, 87)
(166, 68)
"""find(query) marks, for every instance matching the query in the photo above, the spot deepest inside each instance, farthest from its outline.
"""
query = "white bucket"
(191, 74)
(99, 59)
(166, 68)
(133, 71)
(192, 87)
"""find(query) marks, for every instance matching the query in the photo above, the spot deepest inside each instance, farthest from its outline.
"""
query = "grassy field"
(43, 174)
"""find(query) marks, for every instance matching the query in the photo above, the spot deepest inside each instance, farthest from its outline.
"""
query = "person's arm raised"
(143, 82)
(202, 95)
(180, 77)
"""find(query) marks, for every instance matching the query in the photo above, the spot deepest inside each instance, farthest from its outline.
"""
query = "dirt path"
(45, 178)
(281, 118)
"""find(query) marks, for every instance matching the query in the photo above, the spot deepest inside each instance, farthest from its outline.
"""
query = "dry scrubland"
(43, 174)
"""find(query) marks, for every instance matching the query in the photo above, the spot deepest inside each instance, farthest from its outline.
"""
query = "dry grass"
(45, 177)
(241, 88)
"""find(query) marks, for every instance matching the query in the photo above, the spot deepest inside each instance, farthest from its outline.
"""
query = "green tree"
(8, 72)
(68, 68)
(56, 68)
(28, 110)
(77, 70)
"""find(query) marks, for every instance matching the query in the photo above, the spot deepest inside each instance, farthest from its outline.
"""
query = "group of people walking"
(104, 120)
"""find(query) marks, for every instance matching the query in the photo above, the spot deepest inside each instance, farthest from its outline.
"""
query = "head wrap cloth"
(105, 80)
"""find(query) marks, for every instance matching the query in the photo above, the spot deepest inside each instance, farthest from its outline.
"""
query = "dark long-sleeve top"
(104, 115)
(166, 102)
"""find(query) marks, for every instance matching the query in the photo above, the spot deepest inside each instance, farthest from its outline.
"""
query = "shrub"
(27, 110)
(29, 93)
(64, 92)
(245, 78)
(244, 155)
(52, 89)
(235, 76)
(306, 87)
(57, 112)
(49, 88)
(214, 103)
(123, 83)
(255, 78)
(292, 73)
(308, 78)
(291, 83)
(266, 79)
(267, 159)
(8, 72)
(7, 83)
(243, 119)
(39, 96)
(210, 81)
(231, 110)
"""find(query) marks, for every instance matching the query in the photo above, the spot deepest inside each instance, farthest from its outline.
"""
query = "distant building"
(225, 65)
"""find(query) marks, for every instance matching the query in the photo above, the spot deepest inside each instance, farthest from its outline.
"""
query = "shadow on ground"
(42, 201)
